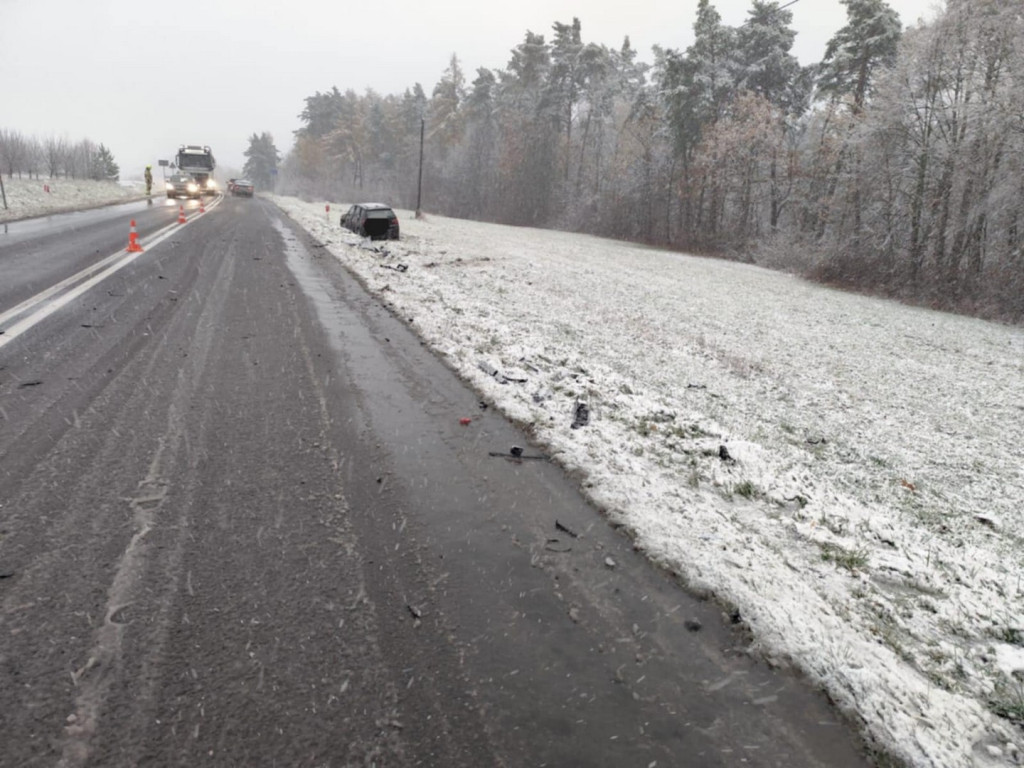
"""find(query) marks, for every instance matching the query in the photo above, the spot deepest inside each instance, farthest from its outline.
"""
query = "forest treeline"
(29, 156)
(894, 165)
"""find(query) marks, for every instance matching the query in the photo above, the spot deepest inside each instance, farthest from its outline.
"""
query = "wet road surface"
(242, 525)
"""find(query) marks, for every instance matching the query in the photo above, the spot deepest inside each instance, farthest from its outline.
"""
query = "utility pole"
(419, 183)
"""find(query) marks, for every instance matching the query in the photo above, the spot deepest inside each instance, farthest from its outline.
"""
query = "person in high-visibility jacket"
(149, 179)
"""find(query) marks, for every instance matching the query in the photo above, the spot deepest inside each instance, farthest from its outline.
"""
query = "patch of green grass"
(888, 636)
(851, 560)
(1011, 635)
(1008, 702)
(1011, 710)
(662, 417)
(746, 489)
(835, 524)
(817, 450)
(687, 431)
(881, 759)
(938, 679)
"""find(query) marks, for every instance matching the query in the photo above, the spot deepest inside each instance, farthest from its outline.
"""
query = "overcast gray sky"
(143, 77)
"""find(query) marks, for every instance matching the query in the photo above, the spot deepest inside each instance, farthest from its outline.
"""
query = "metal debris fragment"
(582, 416)
(565, 529)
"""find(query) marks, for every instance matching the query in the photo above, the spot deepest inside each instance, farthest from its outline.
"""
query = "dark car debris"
(565, 529)
(502, 378)
(582, 416)
(518, 456)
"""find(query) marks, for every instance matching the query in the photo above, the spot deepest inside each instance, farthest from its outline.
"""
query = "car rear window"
(380, 213)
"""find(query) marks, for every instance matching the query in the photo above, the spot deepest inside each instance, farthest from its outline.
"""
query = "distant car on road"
(183, 185)
(241, 188)
(373, 220)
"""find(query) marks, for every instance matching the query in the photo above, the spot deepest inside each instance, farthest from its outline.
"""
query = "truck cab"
(198, 161)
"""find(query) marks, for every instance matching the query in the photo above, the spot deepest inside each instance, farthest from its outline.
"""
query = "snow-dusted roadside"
(29, 197)
(866, 518)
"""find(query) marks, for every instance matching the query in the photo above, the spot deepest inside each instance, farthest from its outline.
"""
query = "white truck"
(199, 163)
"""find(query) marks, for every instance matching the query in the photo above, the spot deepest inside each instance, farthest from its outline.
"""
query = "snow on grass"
(846, 472)
(28, 197)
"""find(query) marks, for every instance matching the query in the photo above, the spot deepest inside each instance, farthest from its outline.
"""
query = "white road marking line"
(44, 295)
(110, 262)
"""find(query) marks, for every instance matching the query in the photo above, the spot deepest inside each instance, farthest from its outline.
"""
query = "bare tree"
(14, 153)
(55, 150)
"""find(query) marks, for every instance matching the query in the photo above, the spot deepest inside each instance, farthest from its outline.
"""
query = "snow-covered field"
(866, 519)
(846, 472)
(30, 197)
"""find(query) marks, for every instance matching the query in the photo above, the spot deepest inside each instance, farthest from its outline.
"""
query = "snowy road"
(242, 522)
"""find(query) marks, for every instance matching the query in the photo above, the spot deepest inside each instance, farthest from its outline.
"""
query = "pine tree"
(102, 165)
(530, 133)
(321, 113)
(764, 63)
(444, 114)
(262, 159)
(699, 85)
(564, 82)
(477, 162)
(869, 40)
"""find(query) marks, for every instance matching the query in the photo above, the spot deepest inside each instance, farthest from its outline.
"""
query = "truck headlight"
(211, 184)
(168, 185)
(192, 187)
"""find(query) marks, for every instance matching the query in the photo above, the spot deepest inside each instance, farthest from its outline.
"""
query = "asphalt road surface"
(241, 524)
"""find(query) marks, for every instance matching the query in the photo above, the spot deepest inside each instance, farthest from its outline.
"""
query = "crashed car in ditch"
(373, 220)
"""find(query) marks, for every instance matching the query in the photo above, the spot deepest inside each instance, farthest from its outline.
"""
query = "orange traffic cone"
(133, 240)
(202, 208)
(181, 214)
